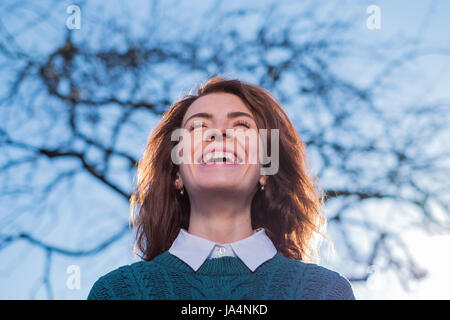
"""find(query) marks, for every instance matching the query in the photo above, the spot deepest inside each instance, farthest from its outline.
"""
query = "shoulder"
(317, 282)
(121, 283)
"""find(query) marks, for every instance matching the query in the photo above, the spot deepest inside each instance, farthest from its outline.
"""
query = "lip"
(219, 165)
(224, 149)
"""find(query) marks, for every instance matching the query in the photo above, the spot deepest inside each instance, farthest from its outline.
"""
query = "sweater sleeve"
(100, 290)
(341, 290)
(119, 284)
(320, 283)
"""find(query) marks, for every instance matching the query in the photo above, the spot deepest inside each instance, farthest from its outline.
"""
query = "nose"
(214, 133)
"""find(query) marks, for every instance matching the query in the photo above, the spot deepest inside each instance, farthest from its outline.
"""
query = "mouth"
(219, 165)
(224, 157)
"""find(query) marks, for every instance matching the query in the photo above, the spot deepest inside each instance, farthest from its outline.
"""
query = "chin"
(219, 186)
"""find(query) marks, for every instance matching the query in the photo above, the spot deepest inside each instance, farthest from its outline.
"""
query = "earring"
(182, 191)
(262, 187)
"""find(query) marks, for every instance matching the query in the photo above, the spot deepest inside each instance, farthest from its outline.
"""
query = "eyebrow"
(230, 115)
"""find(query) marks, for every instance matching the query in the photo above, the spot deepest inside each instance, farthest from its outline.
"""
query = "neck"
(222, 220)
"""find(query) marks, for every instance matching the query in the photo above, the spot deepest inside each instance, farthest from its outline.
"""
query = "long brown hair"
(289, 208)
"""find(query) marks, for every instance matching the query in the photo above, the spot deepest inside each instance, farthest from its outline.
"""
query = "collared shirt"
(194, 250)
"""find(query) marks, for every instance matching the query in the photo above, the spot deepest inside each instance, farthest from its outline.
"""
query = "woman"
(221, 226)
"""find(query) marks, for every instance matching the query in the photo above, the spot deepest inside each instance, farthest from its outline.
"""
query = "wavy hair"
(289, 208)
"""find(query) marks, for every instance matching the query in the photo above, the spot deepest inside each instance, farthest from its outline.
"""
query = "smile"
(220, 157)
(219, 164)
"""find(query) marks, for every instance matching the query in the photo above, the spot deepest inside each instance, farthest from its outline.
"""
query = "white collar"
(194, 250)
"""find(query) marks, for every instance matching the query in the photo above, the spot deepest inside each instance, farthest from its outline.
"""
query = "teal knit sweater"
(226, 278)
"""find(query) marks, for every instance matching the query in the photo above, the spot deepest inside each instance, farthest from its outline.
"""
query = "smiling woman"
(218, 228)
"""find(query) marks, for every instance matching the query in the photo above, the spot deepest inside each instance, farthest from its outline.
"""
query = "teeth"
(218, 157)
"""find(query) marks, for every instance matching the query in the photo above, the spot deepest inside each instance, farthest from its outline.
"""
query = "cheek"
(249, 142)
(188, 149)
(196, 145)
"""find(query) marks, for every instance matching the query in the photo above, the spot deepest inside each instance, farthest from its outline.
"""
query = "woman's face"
(220, 111)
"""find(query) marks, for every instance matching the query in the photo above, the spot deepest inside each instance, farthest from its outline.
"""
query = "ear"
(263, 180)
(178, 181)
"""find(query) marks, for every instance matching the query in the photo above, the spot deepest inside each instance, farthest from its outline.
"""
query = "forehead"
(217, 104)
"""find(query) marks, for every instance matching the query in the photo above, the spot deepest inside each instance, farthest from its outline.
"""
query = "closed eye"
(196, 125)
(243, 123)
(236, 123)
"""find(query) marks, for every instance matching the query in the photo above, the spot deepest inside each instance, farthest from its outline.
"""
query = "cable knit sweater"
(226, 278)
